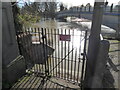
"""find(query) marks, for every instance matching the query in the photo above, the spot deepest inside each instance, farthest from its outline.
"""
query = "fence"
(54, 52)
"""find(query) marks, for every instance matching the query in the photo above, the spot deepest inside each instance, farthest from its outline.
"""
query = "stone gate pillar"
(13, 64)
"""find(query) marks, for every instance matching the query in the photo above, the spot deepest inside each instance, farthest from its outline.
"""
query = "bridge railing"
(107, 9)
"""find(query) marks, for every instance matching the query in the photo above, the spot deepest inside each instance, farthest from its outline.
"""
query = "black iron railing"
(54, 52)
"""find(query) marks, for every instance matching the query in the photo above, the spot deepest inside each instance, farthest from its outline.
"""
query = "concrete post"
(94, 43)
(119, 47)
(119, 67)
(1, 46)
(118, 29)
(101, 63)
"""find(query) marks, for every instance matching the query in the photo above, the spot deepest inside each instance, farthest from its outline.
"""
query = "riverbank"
(114, 53)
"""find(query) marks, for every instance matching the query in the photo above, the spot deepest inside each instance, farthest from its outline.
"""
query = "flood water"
(56, 24)
(65, 28)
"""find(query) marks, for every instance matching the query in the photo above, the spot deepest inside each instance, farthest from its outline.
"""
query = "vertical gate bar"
(38, 50)
(55, 50)
(47, 63)
(37, 53)
(61, 48)
(84, 55)
(75, 64)
(29, 44)
(79, 56)
(52, 46)
(24, 49)
(49, 40)
(43, 36)
(36, 46)
(18, 41)
(72, 53)
(25, 37)
(33, 52)
(65, 59)
(68, 55)
(30, 48)
(42, 51)
(58, 53)
(22, 40)
(41, 58)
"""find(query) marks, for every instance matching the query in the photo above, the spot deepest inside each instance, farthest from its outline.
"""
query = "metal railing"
(54, 52)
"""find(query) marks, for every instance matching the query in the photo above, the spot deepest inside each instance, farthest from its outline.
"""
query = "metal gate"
(54, 52)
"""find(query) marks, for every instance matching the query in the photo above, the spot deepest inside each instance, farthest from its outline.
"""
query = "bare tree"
(81, 7)
(89, 6)
(111, 7)
(62, 7)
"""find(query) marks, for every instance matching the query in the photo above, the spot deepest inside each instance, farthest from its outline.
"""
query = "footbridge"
(110, 19)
